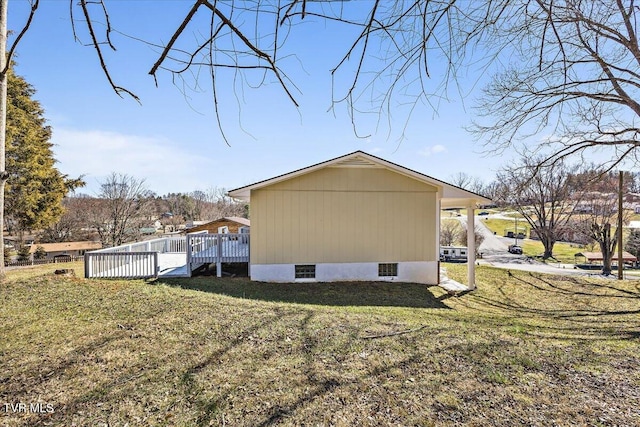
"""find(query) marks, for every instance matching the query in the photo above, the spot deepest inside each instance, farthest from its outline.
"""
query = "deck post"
(219, 255)
(156, 265)
(471, 247)
(188, 249)
(87, 265)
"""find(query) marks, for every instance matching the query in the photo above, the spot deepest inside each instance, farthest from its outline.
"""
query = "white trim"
(414, 272)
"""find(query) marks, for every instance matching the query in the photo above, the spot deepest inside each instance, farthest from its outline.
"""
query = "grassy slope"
(521, 350)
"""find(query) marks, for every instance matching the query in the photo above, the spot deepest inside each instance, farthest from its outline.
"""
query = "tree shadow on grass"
(382, 294)
(572, 307)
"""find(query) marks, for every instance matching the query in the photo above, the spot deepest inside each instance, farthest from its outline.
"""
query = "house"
(355, 217)
(65, 248)
(596, 257)
(232, 224)
(191, 224)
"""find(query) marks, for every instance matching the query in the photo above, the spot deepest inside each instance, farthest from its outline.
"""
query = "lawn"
(499, 225)
(521, 350)
(562, 252)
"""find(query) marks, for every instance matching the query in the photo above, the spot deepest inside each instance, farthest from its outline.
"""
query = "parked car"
(515, 249)
(483, 213)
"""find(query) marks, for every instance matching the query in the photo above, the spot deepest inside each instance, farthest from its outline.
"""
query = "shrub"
(40, 253)
(23, 253)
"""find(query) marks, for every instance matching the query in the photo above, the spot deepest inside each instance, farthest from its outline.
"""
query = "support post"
(156, 264)
(189, 252)
(471, 247)
(87, 265)
(219, 255)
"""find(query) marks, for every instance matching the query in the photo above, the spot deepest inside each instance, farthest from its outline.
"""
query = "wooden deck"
(216, 248)
(170, 257)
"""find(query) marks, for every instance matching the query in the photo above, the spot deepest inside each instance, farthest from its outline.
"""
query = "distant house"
(355, 217)
(148, 231)
(54, 250)
(596, 257)
(233, 224)
(191, 224)
(15, 241)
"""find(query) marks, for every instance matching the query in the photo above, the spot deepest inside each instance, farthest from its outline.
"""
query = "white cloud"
(434, 149)
(166, 166)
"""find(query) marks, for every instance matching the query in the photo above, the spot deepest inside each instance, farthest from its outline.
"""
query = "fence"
(134, 260)
(56, 260)
(131, 265)
(164, 245)
(217, 248)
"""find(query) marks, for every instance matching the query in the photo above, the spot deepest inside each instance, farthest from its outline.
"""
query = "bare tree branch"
(117, 89)
(23, 31)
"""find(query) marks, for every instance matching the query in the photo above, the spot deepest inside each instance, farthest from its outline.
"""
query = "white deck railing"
(135, 260)
(217, 248)
(132, 265)
(140, 260)
(163, 245)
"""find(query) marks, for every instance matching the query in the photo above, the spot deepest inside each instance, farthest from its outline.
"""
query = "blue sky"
(171, 139)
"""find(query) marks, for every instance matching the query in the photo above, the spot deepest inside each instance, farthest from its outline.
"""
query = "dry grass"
(522, 350)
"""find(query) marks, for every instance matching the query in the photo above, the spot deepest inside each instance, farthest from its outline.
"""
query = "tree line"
(124, 208)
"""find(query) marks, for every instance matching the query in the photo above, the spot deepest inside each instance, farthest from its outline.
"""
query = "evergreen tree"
(40, 253)
(35, 188)
(633, 243)
(24, 254)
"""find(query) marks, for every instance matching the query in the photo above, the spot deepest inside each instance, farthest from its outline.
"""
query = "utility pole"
(619, 231)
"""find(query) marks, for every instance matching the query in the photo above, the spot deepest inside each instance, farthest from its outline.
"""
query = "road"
(494, 250)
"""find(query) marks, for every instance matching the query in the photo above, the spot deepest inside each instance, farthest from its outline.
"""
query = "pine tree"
(633, 243)
(35, 188)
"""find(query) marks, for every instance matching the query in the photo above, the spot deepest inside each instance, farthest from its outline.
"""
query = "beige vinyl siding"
(344, 214)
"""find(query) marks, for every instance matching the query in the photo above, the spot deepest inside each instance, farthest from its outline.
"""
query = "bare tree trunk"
(3, 121)
(607, 247)
(548, 244)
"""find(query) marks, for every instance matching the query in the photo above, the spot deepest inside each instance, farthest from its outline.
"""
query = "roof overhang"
(451, 196)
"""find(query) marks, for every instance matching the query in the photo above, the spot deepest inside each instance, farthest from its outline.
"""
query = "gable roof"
(239, 220)
(236, 219)
(597, 256)
(452, 196)
(66, 246)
